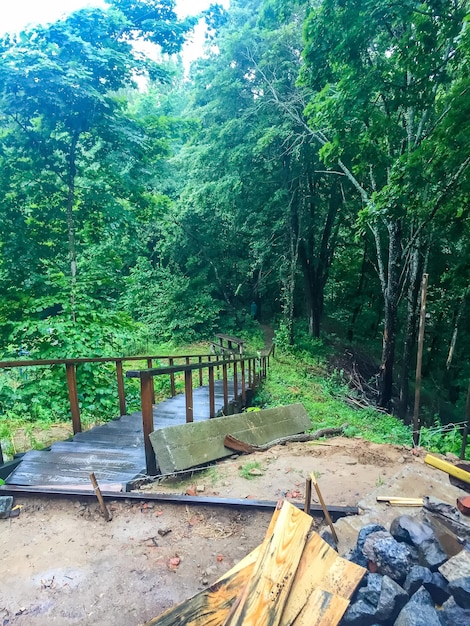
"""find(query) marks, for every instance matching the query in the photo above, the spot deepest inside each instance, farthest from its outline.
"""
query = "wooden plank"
(450, 469)
(264, 596)
(320, 567)
(323, 506)
(322, 609)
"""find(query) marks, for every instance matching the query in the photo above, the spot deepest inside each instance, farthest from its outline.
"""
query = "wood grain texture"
(264, 596)
(322, 609)
(320, 567)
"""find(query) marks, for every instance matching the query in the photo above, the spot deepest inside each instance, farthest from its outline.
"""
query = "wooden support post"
(242, 365)
(107, 515)
(73, 397)
(308, 495)
(146, 389)
(188, 392)
(249, 373)
(121, 392)
(150, 365)
(419, 362)
(225, 384)
(200, 370)
(211, 393)
(323, 506)
(171, 362)
(235, 381)
(2, 460)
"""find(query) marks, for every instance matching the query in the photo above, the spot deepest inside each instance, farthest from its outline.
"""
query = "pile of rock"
(411, 580)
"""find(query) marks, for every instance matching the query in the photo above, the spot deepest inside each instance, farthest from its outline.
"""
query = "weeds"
(250, 470)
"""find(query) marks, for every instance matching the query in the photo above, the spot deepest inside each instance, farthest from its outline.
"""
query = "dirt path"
(61, 563)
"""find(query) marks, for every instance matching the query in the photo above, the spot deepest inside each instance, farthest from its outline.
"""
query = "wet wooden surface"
(113, 451)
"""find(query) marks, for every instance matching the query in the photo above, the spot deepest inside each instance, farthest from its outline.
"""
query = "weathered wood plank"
(264, 596)
(320, 567)
(322, 609)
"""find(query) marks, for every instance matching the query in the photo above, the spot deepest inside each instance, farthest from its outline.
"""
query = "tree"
(75, 160)
(384, 79)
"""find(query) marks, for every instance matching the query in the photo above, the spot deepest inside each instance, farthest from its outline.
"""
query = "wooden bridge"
(120, 450)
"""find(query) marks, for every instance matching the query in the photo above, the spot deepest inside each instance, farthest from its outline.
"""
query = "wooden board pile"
(292, 578)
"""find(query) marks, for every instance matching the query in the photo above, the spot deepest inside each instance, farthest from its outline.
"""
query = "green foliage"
(245, 470)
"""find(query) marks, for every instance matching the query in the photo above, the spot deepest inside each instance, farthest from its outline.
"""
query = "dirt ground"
(62, 563)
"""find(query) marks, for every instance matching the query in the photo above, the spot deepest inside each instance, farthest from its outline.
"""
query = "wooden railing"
(251, 370)
(70, 372)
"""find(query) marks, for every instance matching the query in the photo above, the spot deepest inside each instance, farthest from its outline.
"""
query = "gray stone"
(365, 532)
(438, 588)
(410, 530)
(454, 615)
(6, 502)
(392, 599)
(327, 536)
(356, 556)
(371, 540)
(371, 592)
(460, 589)
(425, 616)
(416, 577)
(422, 597)
(392, 559)
(360, 613)
(431, 554)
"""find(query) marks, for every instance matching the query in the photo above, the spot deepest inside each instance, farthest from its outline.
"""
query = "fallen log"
(240, 446)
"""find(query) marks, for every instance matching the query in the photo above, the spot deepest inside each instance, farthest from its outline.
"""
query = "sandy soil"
(61, 563)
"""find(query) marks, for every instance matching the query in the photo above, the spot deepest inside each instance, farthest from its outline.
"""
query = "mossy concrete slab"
(182, 447)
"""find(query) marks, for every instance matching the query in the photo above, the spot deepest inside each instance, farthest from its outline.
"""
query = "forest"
(314, 162)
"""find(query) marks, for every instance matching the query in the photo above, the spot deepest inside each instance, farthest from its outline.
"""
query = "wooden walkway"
(113, 451)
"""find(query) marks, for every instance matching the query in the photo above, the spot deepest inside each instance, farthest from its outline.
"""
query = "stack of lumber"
(293, 577)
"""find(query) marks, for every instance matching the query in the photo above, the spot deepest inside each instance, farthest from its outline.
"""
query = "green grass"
(246, 469)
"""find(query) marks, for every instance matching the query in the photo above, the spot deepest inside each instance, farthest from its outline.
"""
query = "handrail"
(146, 387)
(71, 375)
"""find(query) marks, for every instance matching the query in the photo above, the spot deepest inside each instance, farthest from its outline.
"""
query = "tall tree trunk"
(360, 286)
(71, 175)
(316, 263)
(391, 297)
(409, 340)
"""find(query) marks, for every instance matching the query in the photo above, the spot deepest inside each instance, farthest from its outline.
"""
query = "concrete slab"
(182, 447)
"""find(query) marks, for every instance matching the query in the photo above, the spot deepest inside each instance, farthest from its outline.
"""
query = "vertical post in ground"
(73, 397)
(121, 392)
(242, 365)
(225, 383)
(188, 393)
(419, 361)
(235, 381)
(200, 371)
(150, 365)
(211, 393)
(171, 362)
(146, 393)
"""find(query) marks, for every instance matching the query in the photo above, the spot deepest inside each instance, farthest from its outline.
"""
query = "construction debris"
(312, 583)
(189, 445)
(452, 470)
(241, 446)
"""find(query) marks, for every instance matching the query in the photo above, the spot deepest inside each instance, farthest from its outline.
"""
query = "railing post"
(225, 384)
(146, 391)
(211, 393)
(242, 366)
(150, 365)
(171, 362)
(73, 397)
(249, 373)
(200, 371)
(121, 392)
(235, 381)
(188, 392)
